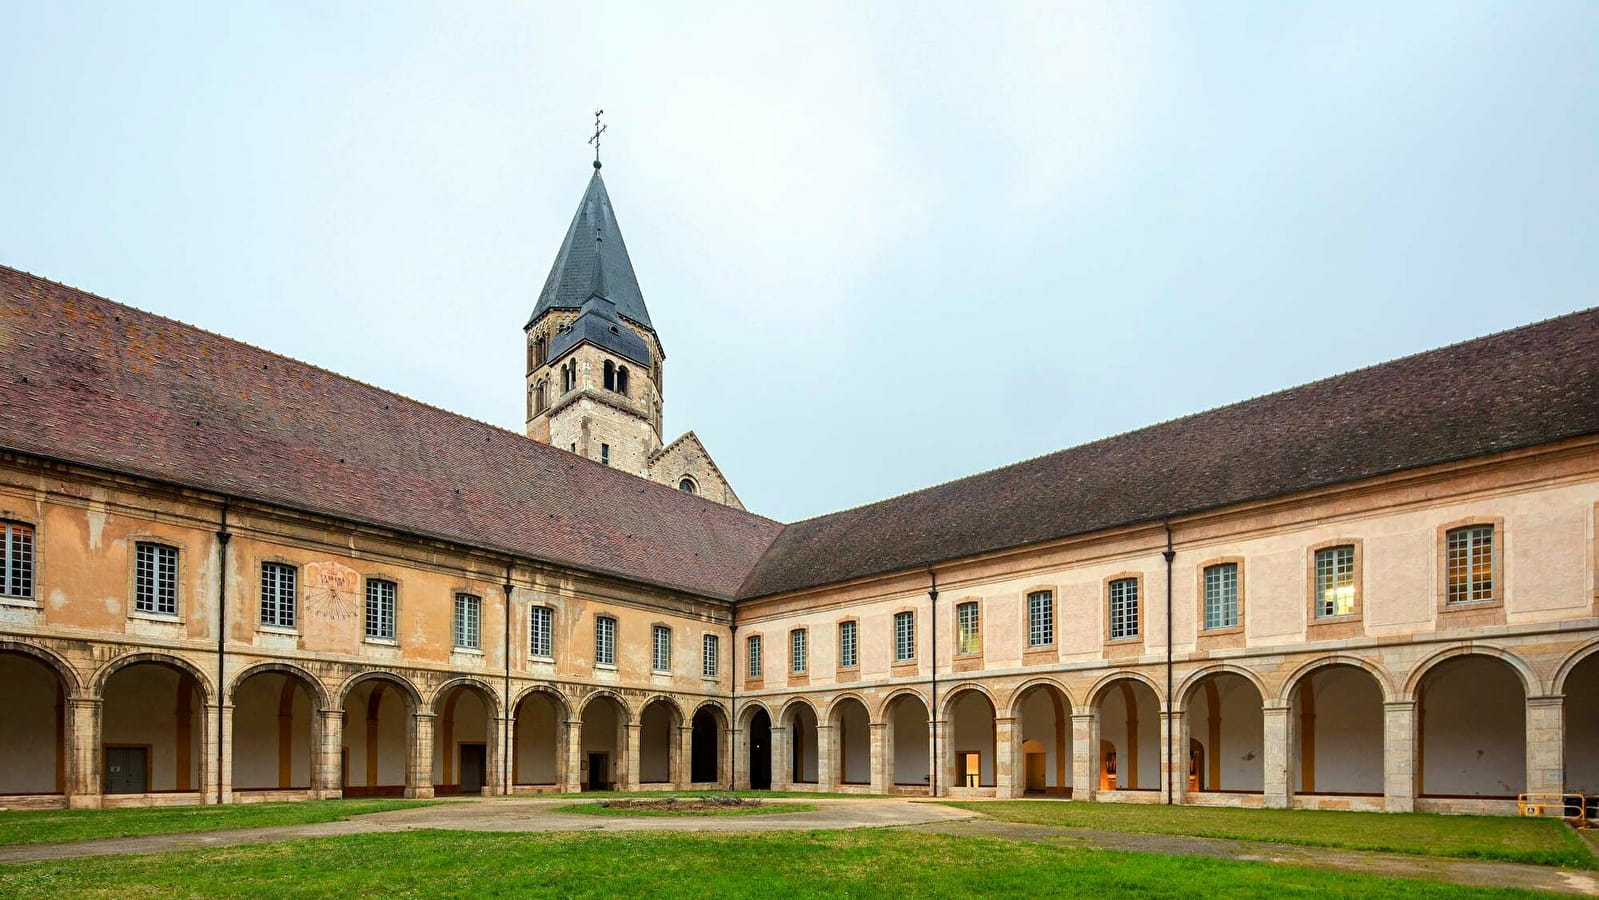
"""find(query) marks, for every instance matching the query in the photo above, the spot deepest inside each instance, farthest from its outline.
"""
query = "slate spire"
(593, 261)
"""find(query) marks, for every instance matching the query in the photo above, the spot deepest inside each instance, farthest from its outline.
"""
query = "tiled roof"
(585, 266)
(89, 381)
(1514, 389)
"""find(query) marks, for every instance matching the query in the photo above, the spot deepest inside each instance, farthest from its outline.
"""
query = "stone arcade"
(230, 576)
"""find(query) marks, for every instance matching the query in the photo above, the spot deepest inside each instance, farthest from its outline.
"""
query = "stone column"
(634, 749)
(85, 784)
(941, 760)
(1399, 756)
(782, 760)
(824, 757)
(574, 773)
(1275, 756)
(419, 782)
(1172, 767)
(683, 758)
(1183, 730)
(882, 755)
(216, 779)
(1006, 761)
(1085, 755)
(731, 766)
(327, 780)
(499, 762)
(1546, 744)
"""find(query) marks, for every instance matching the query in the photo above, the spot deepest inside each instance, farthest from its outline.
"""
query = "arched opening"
(538, 351)
(906, 742)
(377, 739)
(658, 726)
(1582, 730)
(760, 751)
(540, 403)
(621, 380)
(610, 375)
(152, 730)
(971, 740)
(603, 744)
(802, 744)
(1225, 718)
(687, 485)
(463, 741)
(33, 730)
(705, 758)
(1129, 737)
(274, 733)
(1471, 730)
(538, 731)
(1337, 724)
(852, 731)
(1044, 728)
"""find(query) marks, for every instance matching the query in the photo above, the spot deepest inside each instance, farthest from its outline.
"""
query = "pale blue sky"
(885, 244)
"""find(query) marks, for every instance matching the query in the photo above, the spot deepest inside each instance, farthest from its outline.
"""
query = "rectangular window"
(380, 596)
(1221, 596)
(155, 579)
(468, 615)
(709, 654)
(661, 659)
(1335, 581)
(605, 454)
(541, 632)
(848, 644)
(1040, 619)
(16, 560)
(604, 641)
(967, 629)
(1123, 608)
(799, 663)
(1470, 560)
(277, 595)
(754, 668)
(904, 636)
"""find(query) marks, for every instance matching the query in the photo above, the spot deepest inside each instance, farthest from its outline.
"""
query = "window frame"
(1136, 635)
(277, 624)
(534, 613)
(473, 609)
(1471, 539)
(1473, 613)
(1053, 608)
(156, 612)
(605, 640)
(1201, 571)
(11, 566)
(799, 651)
(660, 651)
(853, 662)
(710, 656)
(393, 637)
(903, 615)
(1344, 625)
(754, 657)
(975, 646)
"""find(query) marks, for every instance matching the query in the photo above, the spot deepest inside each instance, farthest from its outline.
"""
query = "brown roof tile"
(1514, 389)
(94, 382)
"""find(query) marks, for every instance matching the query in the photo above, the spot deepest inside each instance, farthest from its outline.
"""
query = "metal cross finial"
(599, 129)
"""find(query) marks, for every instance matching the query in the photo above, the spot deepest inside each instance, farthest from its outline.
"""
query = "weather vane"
(599, 129)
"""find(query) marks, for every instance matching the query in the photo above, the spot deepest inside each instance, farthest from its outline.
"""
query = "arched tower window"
(621, 380)
(686, 485)
(610, 375)
(538, 397)
(568, 376)
(538, 350)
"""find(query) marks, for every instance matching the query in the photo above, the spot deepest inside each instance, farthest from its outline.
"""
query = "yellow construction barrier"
(1575, 807)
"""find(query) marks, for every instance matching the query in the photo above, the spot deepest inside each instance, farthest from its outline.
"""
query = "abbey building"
(229, 576)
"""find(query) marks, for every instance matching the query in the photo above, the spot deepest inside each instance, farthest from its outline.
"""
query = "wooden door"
(1035, 764)
(127, 770)
(474, 763)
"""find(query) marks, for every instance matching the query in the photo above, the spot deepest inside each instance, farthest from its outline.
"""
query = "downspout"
(505, 764)
(932, 722)
(732, 702)
(1169, 555)
(223, 536)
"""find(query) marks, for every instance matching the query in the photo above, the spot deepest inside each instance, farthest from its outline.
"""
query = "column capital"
(330, 713)
(1004, 720)
(1399, 705)
(1546, 700)
(1278, 708)
(85, 702)
(1086, 717)
(420, 714)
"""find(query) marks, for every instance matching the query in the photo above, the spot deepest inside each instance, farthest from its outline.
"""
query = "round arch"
(957, 690)
(712, 705)
(794, 703)
(1096, 694)
(1573, 659)
(895, 697)
(554, 695)
(611, 696)
(841, 699)
(64, 671)
(665, 700)
(1384, 682)
(103, 674)
(491, 697)
(1195, 678)
(1013, 702)
(393, 679)
(319, 692)
(1530, 683)
(747, 711)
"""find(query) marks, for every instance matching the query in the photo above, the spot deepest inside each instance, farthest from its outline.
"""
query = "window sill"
(468, 651)
(163, 618)
(21, 602)
(661, 673)
(278, 629)
(605, 667)
(380, 642)
(546, 660)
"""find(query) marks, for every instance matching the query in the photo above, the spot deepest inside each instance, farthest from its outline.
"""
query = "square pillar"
(1546, 745)
(731, 760)
(1085, 755)
(1007, 760)
(574, 774)
(327, 773)
(882, 752)
(941, 762)
(634, 748)
(782, 760)
(682, 767)
(1173, 759)
(216, 776)
(1399, 756)
(85, 785)
(499, 762)
(824, 757)
(1275, 756)
(419, 781)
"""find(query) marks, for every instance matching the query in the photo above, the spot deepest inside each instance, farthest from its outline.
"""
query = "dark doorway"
(127, 770)
(474, 762)
(761, 751)
(706, 750)
(599, 771)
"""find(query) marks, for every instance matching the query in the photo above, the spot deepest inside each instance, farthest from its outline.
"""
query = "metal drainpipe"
(223, 536)
(932, 722)
(505, 764)
(1169, 555)
(732, 702)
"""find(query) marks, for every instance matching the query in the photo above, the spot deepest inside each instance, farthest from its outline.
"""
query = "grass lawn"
(689, 795)
(53, 825)
(1540, 841)
(595, 809)
(854, 864)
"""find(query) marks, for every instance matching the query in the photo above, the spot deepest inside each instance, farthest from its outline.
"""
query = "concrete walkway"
(526, 814)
